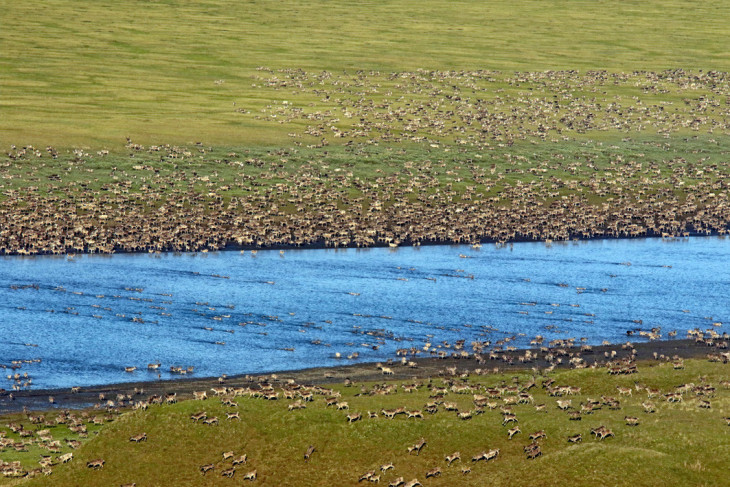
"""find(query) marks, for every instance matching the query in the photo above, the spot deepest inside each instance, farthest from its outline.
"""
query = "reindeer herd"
(464, 399)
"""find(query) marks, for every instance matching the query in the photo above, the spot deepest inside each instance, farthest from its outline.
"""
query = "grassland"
(680, 443)
(91, 73)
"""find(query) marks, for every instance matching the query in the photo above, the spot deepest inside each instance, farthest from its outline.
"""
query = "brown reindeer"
(434, 472)
(95, 464)
(250, 476)
(417, 447)
(452, 458)
(139, 437)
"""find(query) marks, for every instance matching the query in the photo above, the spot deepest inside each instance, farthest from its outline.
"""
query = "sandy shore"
(426, 367)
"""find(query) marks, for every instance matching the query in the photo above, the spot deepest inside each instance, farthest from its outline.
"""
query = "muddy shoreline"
(360, 372)
(321, 244)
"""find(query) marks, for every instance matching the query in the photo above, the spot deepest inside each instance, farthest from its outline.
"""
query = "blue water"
(398, 304)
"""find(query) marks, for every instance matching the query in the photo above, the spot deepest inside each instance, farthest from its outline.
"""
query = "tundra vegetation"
(616, 440)
(336, 124)
(339, 123)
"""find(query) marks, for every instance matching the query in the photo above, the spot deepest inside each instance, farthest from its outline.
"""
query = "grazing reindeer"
(351, 418)
(417, 447)
(631, 420)
(575, 438)
(250, 476)
(466, 415)
(513, 431)
(139, 437)
(434, 472)
(95, 464)
(206, 468)
(227, 455)
(453, 457)
(342, 405)
(465, 470)
(309, 453)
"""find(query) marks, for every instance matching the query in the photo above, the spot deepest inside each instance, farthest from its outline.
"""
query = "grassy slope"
(681, 441)
(93, 72)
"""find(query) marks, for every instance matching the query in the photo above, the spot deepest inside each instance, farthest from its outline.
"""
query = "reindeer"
(413, 483)
(575, 438)
(227, 455)
(211, 421)
(538, 434)
(65, 458)
(239, 460)
(199, 416)
(452, 458)
(397, 482)
(532, 454)
(228, 472)
(351, 418)
(139, 437)
(434, 472)
(206, 468)
(417, 447)
(513, 431)
(631, 420)
(309, 453)
(95, 464)
(250, 476)
(232, 416)
(415, 414)
(565, 405)
(509, 418)
(200, 395)
(388, 413)
(342, 405)
(367, 475)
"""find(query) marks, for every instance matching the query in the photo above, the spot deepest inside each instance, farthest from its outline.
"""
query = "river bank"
(647, 354)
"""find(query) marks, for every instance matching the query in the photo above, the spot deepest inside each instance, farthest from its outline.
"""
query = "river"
(82, 320)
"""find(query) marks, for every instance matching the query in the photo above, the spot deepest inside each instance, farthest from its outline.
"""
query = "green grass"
(680, 440)
(91, 73)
